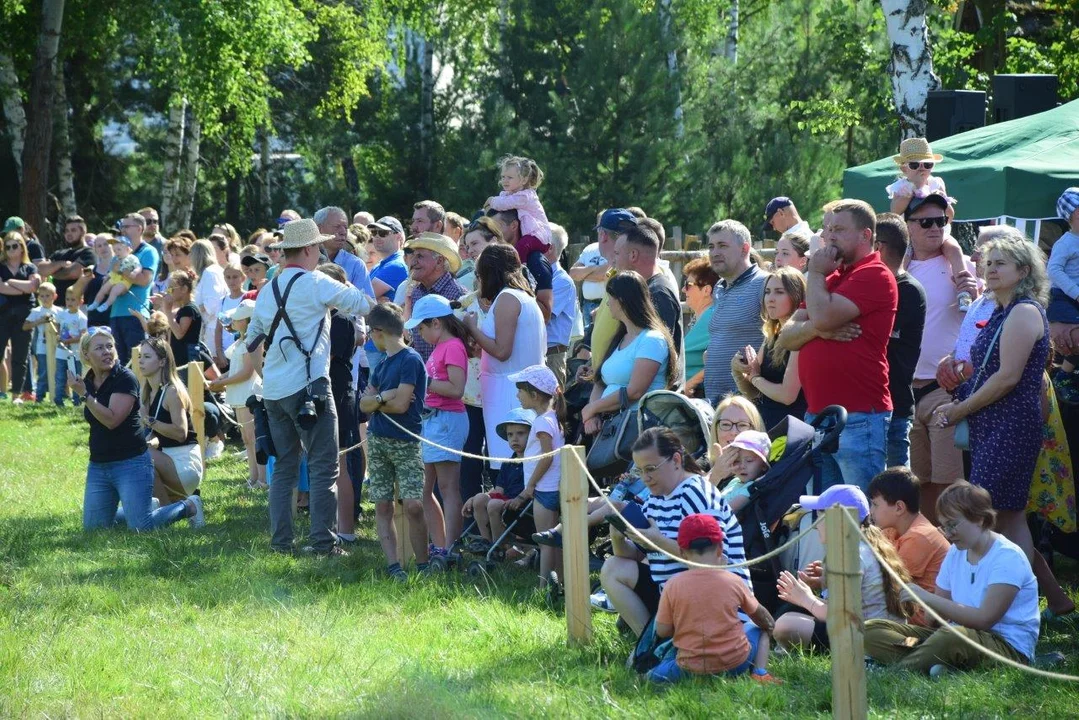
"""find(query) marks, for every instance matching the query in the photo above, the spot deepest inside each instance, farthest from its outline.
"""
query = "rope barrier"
(472, 456)
(951, 628)
(357, 446)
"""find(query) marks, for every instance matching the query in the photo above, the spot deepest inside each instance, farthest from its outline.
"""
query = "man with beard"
(843, 334)
(67, 265)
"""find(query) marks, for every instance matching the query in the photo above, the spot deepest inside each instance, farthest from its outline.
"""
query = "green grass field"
(206, 624)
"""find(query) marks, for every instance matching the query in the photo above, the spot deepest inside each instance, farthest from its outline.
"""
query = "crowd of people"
(421, 352)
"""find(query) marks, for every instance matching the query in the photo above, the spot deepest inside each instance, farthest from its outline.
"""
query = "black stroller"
(798, 471)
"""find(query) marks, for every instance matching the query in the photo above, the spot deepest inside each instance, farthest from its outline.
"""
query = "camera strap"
(282, 316)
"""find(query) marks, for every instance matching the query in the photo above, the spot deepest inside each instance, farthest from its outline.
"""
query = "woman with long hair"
(770, 375)
(641, 357)
(513, 314)
(18, 282)
(210, 292)
(165, 410)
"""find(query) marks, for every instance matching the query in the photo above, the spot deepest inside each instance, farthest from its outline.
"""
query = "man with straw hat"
(432, 261)
(290, 317)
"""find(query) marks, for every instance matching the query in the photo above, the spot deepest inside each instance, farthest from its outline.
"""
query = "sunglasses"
(382, 233)
(16, 246)
(152, 221)
(923, 165)
(927, 223)
(99, 330)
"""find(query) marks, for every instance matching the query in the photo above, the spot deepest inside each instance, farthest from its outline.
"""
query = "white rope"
(951, 628)
(357, 446)
(470, 455)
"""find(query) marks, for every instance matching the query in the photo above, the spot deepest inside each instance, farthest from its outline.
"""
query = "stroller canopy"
(689, 418)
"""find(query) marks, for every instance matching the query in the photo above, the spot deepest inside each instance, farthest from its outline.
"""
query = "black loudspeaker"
(1016, 96)
(950, 112)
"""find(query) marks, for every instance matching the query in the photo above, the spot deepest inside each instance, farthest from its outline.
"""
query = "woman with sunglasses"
(19, 280)
(121, 470)
(678, 489)
(985, 589)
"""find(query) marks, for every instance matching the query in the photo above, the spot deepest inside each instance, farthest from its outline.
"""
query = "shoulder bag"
(962, 428)
(612, 450)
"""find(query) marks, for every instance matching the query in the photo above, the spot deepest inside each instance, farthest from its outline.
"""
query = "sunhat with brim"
(300, 234)
(437, 243)
(539, 377)
(913, 149)
(755, 442)
(1068, 203)
(243, 311)
(256, 259)
(850, 496)
(516, 416)
(428, 307)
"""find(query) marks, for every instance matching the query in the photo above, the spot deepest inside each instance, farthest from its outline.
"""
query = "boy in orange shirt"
(894, 505)
(699, 607)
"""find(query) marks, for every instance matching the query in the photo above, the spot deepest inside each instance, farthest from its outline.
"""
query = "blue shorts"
(447, 428)
(548, 499)
(1062, 308)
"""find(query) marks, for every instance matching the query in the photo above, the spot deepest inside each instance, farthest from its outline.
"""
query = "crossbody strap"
(283, 316)
(988, 352)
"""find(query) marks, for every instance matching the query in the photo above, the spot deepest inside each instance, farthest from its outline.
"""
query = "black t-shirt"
(95, 318)
(159, 412)
(180, 346)
(905, 344)
(541, 271)
(771, 411)
(82, 255)
(23, 272)
(342, 348)
(35, 250)
(126, 440)
(668, 307)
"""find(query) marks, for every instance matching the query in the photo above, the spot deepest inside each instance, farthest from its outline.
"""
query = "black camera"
(313, 403)
(264, 446)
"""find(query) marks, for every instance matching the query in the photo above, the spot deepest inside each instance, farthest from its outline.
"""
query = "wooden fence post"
(405, 551)
(51, 340)
(574, 494)
(196, 386)
(845, 621)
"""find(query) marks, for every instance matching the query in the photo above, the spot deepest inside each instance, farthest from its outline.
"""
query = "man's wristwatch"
(379, 398)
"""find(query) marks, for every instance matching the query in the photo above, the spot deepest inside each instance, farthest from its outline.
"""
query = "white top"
(72, 325)
(210, 292)
(874, 605)
(1063, 264)
(545, 423)
(530, 341)
(942, 316)
(590, 257)
(236, 395)
(39, 332)
(1004, 564)
(312, 296)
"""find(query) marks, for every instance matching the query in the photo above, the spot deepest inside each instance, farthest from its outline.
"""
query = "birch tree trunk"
(14, 113)
(33, 191)
(730, 45)
(264, 174)
(911, 65)
(427, 113)
(170, 180)
(62, 149)
(185, 200)
(669, 40)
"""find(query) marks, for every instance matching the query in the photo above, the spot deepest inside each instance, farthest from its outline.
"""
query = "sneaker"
(600, 601)
(399, 575)
(435, 551)
(335, 551)
(92, 307)
(551, 538)
(214, 449)
(197, 520)
(766, 679)
(155, 504)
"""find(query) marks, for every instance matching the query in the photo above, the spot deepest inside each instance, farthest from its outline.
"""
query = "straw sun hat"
(299, 234)
(913, 149)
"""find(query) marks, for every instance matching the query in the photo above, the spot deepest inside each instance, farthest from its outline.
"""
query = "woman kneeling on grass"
(120, 468)
(985, 589)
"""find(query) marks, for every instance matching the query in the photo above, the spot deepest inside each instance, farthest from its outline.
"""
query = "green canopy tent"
(1010, 172)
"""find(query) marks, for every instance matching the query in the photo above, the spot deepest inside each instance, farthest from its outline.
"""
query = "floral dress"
(1052, 494)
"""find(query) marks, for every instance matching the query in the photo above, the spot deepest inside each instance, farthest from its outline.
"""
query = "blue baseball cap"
(615, 219)
(775, 205)
(850, 496)
(427, 307)
(1068, 203)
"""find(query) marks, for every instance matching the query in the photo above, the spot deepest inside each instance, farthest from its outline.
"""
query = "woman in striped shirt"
(678, 489)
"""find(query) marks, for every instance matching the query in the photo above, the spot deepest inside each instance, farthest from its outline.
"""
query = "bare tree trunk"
(35, 157)
(427, 115)
(185, 200)
(265, 200)
(14, 113)
(730, 46)
(664, 8)
(170, 179)
(62, 149)
(912, 63)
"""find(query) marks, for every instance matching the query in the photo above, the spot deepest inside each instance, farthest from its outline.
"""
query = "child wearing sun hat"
(916, 161)
(1063, 269)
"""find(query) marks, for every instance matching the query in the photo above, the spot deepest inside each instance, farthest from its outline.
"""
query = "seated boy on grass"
(699, 607)
(487, 507)
(894, 506)
(395, 466)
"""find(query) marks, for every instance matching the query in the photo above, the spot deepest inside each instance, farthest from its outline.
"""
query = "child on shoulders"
(520, 176)
(916, 161)
(750, 464)
(487, 508)
(699, 608)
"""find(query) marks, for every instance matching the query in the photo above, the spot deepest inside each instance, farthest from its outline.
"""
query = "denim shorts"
(548, 499)
(447, 428)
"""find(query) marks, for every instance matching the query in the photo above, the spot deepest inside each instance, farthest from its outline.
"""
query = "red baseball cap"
(699, 527)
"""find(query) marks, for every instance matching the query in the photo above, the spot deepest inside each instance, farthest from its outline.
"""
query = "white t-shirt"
(545, 423)
(236, 394)
(590, 257)
(1004, 564)
(39, 332)
(72, 325)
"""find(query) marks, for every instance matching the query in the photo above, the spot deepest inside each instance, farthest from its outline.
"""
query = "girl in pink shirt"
(520, 177)
(445, 421)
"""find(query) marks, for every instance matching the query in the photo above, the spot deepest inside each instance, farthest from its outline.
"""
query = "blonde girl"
(520, 177)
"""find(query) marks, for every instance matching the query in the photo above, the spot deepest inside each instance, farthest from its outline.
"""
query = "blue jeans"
(669, 672)
(899, 441)
(587, 308)
(42, 385)
(128, 333)
(130, 482)
(61, 379)
(863, 449)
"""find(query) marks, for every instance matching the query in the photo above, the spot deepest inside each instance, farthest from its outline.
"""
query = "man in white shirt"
(565, 312)
(296, 380)
(590, 272)
(783, 216)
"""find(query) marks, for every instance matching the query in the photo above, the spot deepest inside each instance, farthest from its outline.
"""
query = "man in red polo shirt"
(842, 335)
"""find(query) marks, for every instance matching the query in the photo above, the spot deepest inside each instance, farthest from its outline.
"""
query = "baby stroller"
(689, 418)
(798, 471)
(519, 526)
